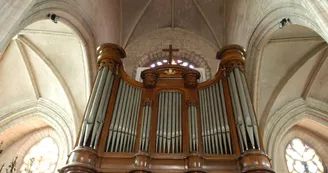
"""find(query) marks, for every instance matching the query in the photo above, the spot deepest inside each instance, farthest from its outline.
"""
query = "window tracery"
(302, 159)
(41, 158)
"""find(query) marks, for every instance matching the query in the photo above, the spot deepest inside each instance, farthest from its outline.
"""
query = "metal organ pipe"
(94, 105)
(114, 117)
(135, 118)
(225, 116)
(87, 112)
(191, 149)
(145, 128)
(122, 129)
(240, 124)
(180, 122)
(247, 118)
(118, 124)
(214, 122)
(218, 115)
(102, 109)
(125, 124)
(165, 131)
(251, 110)
(244, 114)
(169, 128)
(96, 110)
(202, 113)
(160, 124)
(194, 111)
(129, 121)
(169, 122)
(174, 135)
(193, 131)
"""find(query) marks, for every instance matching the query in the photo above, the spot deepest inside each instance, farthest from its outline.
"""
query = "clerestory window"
(301, 158)
(41, 158)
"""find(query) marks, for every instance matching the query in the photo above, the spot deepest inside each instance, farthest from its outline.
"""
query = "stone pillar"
(252, 159)
(105, 17)
(84, 157)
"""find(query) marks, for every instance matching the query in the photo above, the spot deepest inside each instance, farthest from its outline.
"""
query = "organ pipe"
(216, 135)
(122, 130)
(96, 109)
(169, 125)
(193, 128)
(145, 127)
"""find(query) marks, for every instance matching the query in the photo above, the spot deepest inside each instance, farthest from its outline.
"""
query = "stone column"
(252, 158)
(105, 18)
(85, 155)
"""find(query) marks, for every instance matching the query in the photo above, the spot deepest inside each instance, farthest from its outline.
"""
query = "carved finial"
(231, 53)
(108, 52)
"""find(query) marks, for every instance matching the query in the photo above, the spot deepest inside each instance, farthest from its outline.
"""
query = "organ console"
(169, 122)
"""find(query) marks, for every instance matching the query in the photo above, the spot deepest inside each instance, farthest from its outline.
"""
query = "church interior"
(140, 86)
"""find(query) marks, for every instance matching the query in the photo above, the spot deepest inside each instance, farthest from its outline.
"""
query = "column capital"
(231, 53)
(109, 52)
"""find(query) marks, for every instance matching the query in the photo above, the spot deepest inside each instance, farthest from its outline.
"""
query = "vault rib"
(59, 77)
(136, 23)
(207, 22)
(314, 74)
(28, 68)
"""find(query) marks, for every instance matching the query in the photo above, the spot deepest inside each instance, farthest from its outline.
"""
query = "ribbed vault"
(44, 83)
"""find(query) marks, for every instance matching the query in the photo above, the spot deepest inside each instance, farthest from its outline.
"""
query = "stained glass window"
(302, 159)
(174, 62)
(41, 158)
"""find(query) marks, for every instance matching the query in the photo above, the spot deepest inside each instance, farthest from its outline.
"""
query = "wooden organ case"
(170, 122)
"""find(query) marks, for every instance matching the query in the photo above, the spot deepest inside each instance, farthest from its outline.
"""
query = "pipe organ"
(169, 122)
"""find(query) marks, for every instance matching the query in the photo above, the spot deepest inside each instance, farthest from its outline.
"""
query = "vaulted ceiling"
(205, 18)
(43, 64)
(294, 66)
(46, 62)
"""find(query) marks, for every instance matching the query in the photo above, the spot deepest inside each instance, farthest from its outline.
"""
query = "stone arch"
(30, 140)
(187, 55)
(48, 112)
(261, 35)
(308, 137)
(74, 18)
(71, 16)
(188, 42)
(287, 117)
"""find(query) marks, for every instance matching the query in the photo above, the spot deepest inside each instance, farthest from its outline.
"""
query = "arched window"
(174, 62)
(41, 158)
(302, 159)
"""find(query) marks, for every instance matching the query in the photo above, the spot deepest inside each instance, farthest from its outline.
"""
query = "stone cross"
(170, 50)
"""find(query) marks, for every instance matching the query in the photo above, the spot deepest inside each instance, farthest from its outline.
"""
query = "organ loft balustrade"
(169, 122)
